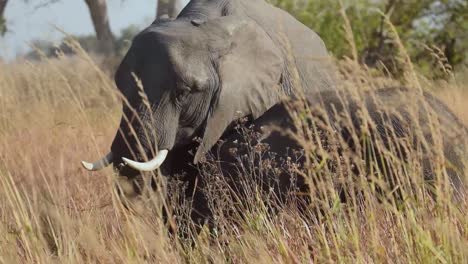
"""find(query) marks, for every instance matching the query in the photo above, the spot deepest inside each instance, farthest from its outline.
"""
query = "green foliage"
(324, 17)
(421, 24)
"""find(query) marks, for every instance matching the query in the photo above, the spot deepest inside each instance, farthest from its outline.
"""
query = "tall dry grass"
(59, 111)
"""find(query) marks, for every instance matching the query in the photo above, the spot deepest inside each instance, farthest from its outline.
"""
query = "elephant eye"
(182, 92)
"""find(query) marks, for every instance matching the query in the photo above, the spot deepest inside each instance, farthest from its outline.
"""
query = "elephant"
(217, 61)
(186, 83)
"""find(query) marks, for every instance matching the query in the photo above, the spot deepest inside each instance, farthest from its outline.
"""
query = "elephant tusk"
(151, 165)
(100, 164)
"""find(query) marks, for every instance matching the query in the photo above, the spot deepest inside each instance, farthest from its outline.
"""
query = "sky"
(29, 21)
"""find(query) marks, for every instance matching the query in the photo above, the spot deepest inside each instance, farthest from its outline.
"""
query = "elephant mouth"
(145, 166)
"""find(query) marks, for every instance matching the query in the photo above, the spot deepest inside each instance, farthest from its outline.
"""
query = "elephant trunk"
(144, 146)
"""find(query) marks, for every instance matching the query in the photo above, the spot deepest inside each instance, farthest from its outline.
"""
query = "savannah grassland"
(57, 112)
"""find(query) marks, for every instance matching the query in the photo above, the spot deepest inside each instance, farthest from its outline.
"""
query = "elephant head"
(187, 79)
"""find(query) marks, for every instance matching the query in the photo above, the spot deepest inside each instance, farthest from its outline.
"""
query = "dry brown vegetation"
(54, 113)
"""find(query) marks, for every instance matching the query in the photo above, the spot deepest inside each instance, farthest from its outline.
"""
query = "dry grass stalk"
(51, 210)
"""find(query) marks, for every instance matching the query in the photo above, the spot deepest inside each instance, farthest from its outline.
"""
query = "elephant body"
(266, 152)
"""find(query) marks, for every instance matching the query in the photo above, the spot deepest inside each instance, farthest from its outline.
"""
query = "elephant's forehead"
(191, 62)
(193, 67)
(176, 32)
(182, 48)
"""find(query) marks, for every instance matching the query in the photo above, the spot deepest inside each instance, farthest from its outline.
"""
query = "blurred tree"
(171, 8)
(446, 26)
(88, 42)
(3, 27)
(99, 16)
(125, 40)
(419, 23)
(98, 11)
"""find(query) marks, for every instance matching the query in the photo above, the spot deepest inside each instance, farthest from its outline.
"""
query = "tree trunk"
(171, 8)
(98, 11)
(3, 4)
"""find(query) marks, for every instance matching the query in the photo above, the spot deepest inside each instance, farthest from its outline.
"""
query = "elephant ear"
(249, 68)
